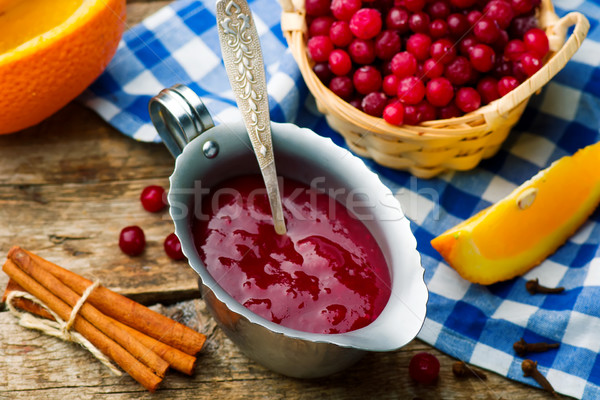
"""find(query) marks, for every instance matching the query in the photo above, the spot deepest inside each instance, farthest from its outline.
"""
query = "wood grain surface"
(67, 187)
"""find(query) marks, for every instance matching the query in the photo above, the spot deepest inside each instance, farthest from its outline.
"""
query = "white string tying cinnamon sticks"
(58, 328)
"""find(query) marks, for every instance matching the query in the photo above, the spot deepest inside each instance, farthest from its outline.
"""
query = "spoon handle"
(245, 68)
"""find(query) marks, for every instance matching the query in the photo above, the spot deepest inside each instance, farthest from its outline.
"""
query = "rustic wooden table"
(67, 187)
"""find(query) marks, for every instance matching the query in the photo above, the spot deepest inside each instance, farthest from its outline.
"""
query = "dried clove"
(522, 347)
(533, 286)
(529, 368)
(462, 370)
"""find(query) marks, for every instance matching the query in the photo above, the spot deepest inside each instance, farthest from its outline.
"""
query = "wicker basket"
(434, 146)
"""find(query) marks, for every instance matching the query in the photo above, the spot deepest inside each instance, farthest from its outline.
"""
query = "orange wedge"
(517, 233)
(50, 51)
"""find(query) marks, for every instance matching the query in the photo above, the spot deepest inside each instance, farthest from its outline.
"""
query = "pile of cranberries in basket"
(410, 61)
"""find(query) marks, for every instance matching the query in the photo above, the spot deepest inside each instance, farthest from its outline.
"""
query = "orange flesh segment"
(505, 240)
(22, 20)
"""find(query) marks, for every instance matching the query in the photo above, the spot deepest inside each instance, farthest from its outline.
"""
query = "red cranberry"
(173, 247)
(438, 28)
(426, 111)
(356, 103)
(132, 240)
(411, 90)
(521, 6)
(414, 5)
(482, 57)
(340, 33)
(439, 9)
(450, 111)
(520, 25)
(319, 48)
(367, 79)
(374, 103)
(439, 92)
(514, 49)
(320, 26)
(153, 198)
(501, 42)
(366, 23)
(486, 30)
(404, 64)
(458, 71)
(502, 68)
(323, 72)
(499, 11)
(530, 63)
(339, 62)
(507, 84)
(424, 368)
(418, 44)
(411, 114)
(468, 99)
(386, 68)
(390, 85)
(387, 44)
(397, 19)
(474, 16)
(466, 44)
(488, 89)
(432, 69)
(343, 10)
(342, 86)
(393, 113)
(443, 51)
(419, 22)
(362, 51)
(317, 8)
(457, 24)
(536, 41)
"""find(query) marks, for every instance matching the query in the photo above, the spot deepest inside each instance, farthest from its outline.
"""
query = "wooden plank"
(58, 371)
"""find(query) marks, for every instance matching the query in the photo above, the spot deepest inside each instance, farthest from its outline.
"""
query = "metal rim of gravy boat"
(373, 337)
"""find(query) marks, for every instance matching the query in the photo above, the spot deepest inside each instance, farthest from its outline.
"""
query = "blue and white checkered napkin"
(478, 324)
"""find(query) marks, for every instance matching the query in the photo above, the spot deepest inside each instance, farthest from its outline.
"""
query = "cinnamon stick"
(123, 309)
(136, 369)
(91, 314)
(176, 358)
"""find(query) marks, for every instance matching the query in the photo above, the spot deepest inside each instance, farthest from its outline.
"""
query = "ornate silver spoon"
(243, 59)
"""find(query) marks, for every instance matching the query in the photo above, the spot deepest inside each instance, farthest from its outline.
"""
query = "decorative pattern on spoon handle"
(243, 60)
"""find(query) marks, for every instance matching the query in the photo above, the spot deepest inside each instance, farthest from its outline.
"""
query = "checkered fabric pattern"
(477, 324)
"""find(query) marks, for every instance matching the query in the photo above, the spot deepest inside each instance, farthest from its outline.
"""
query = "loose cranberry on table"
(132, 240)
(172, 247)
(424, 368)
(153, 198)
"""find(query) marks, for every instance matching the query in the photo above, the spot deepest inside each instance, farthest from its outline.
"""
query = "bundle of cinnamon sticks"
(142, 342)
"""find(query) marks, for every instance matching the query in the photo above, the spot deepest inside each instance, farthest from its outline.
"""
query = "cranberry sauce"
(326, 275)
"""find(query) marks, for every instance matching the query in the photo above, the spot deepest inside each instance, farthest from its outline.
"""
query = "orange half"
(50, 51)
(520, 231)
